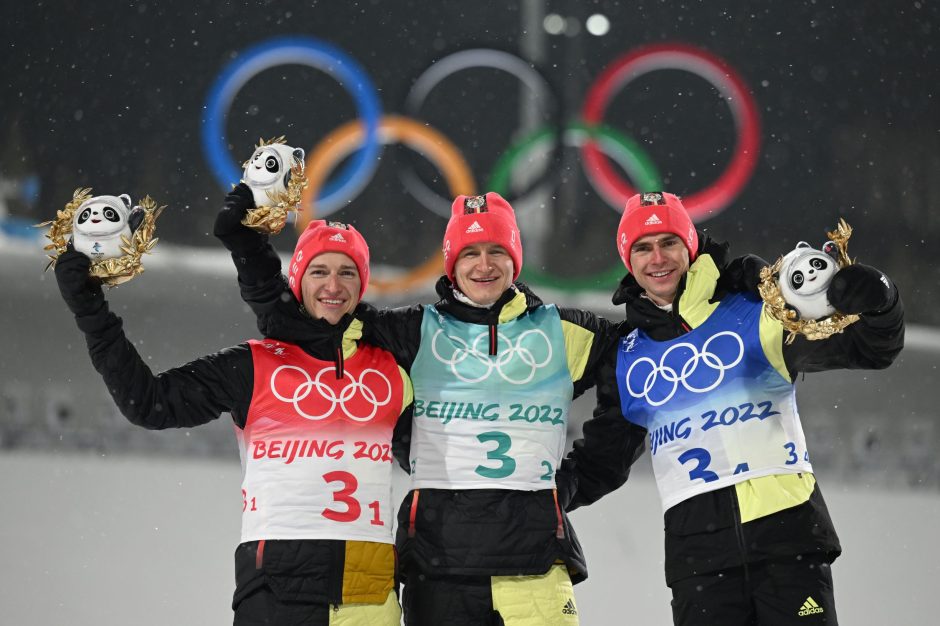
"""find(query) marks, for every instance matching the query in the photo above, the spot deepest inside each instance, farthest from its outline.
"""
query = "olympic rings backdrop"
(360, 142)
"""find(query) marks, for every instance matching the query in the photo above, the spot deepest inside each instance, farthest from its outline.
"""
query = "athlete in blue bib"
(704, 372)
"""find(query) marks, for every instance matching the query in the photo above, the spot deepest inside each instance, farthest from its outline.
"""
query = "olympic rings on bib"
(424, 139)
(301, 51)
(714, 198)
(323, 393)
(626, 152)
(543, 94)
(662, 370)
(480, 364)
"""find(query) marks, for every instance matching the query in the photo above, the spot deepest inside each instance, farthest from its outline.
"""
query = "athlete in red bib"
(314, 421)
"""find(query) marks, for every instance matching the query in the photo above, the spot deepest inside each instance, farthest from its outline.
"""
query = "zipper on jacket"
(739, 532)
(493, 339)
(413, 513)
(560, 528)
(259, 554)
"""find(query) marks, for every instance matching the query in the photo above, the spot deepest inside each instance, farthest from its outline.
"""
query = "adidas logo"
(474, 228)
(569, 608)
(338, 237)
(652, 219)
(810, 608)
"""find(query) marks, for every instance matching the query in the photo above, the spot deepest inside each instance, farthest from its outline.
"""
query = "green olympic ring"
(623, 150)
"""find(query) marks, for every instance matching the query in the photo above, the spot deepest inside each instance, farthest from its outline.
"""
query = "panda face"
(805, 275)
(100, 216)
(264, 168)
(268, 171)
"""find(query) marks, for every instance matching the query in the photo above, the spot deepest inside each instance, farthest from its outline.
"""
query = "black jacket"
(479, 531)
(705, 533)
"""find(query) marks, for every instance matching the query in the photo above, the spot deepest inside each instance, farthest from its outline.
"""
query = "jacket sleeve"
(182, 397)
(601, 460)
(873, 342)
(396, 330)
(588, 337)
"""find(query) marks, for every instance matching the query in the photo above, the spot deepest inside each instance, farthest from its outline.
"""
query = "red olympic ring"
(714, 198)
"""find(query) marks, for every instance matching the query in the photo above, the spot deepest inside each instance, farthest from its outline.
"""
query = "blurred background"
(772, 120)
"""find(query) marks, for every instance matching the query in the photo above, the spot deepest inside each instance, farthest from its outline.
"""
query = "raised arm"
(185, 396)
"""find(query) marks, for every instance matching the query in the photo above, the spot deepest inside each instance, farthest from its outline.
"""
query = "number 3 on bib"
(507, 463)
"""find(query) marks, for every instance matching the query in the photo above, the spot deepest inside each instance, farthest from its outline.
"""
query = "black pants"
(793, 591)
(449, 601)
(263, 608)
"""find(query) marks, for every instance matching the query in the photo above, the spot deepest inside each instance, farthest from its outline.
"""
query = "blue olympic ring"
(302, 51)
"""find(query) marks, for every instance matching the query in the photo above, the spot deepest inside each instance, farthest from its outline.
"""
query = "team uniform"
(482, 535)
(711, 383)
(314, 421)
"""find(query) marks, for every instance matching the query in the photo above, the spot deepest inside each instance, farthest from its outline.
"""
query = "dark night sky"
(112, 98)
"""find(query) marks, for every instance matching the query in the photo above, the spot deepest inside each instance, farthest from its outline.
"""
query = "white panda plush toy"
(268, 171)
(805, 274)
(99, 223)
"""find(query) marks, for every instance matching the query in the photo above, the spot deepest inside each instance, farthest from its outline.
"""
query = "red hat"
(321, 236)
(481, 219)
(652, 213)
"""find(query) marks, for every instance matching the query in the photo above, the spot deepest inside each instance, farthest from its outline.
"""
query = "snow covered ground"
(117, 540)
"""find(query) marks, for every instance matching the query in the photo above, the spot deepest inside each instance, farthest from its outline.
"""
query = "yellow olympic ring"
(429, 142)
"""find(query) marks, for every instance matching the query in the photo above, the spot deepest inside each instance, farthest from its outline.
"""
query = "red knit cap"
(652, 213)
(481, 219)
(321, 236)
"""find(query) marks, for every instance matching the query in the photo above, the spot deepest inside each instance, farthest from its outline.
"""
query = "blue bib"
(717, 411)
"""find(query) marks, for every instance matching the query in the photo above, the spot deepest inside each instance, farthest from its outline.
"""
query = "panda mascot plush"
(805, 274)
(100, 222)
(268, 171)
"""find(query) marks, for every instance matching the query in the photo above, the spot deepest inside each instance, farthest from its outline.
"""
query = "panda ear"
(298, 154)
(126, 199)
(803, 244)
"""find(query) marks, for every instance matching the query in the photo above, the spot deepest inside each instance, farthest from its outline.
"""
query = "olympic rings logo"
(480, 364)
(324, 393)
(714, 367)
(362, 139)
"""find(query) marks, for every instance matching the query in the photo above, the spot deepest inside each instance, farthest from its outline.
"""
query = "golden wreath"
(777, 306)
(270, 219)
(111, 271)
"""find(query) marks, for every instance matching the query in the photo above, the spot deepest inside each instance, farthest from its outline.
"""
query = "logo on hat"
(338, 237)
(652, 219)
(473, 204)
(474, 228)
(653, 197)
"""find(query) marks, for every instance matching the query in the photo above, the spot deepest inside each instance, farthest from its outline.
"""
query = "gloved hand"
(741, 274)
(234, 235)
(861, 289)
(81, 292)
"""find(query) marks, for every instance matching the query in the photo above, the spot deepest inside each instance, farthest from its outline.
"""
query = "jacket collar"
(515, 302)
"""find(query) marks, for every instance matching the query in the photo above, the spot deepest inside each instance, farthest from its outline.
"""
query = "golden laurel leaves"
(111, 271)
(813, 330)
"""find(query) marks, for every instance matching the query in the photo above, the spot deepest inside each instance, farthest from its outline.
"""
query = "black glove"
(81, 292)
(861, 289)
(234, 235)
(741, 274)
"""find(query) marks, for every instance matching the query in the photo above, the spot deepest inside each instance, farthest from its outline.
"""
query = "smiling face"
(331, 286)
(659, 262)
(483, 271)
(99, 217)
